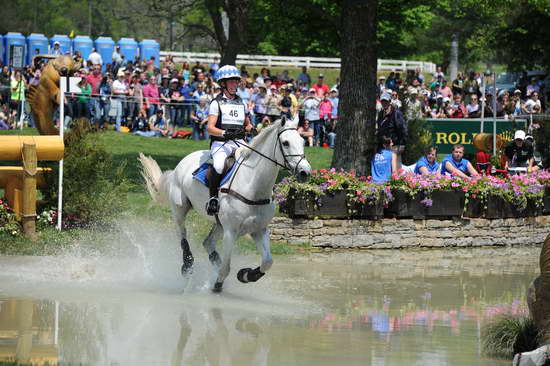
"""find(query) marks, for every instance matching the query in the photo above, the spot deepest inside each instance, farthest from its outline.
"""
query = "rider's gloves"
(233, 135)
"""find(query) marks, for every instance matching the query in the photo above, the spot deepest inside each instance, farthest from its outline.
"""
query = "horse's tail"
(545, 259)
(155, 179)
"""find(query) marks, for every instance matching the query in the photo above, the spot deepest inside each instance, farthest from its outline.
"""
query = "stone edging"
(409, 233)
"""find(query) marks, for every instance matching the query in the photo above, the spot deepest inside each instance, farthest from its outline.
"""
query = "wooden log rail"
(20, 182)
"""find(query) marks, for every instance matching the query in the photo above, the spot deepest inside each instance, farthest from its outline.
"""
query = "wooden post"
(28, 218)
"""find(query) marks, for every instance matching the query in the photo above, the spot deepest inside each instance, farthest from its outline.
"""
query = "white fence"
(290, 61)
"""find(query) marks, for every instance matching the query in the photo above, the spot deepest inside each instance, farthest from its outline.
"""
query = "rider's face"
(231, 86)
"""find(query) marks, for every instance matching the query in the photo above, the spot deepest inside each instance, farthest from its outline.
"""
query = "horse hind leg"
(179, 213)
(210, 245)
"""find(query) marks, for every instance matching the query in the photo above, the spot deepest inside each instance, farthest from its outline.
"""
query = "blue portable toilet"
(128, 48)
(13, 39)
(105, 47)
(148, 48)
(64, 43)
(36, 41)
(83, 44)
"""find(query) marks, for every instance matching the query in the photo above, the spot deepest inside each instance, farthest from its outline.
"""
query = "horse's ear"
(283, 121)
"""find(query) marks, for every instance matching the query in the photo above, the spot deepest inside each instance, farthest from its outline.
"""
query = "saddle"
(202, 173)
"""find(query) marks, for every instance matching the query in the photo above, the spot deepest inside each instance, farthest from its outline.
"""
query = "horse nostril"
(303, 176)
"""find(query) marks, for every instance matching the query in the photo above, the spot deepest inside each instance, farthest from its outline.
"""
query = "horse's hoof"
(214, 258)
(242, 275)
(217, 287)
(186, 269)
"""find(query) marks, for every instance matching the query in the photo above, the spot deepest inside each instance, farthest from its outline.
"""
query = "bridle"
(286, 165)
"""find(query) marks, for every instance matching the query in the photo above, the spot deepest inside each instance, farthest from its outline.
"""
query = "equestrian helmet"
(228, 72)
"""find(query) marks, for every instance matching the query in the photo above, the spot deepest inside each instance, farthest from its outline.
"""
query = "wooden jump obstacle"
(20, 182)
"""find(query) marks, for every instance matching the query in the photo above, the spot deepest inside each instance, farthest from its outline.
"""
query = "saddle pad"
(200, 173)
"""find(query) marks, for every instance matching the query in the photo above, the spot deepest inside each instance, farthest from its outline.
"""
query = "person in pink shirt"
(321, 89)
(325, 108)
(445, 90)
(94, 79)
(151, 95)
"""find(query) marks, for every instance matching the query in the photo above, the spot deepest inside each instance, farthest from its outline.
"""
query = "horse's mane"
(258, 140)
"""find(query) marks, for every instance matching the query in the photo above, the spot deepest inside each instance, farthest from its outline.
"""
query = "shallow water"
(131, 307)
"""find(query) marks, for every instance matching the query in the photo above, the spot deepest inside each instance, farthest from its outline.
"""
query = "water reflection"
(307, 312)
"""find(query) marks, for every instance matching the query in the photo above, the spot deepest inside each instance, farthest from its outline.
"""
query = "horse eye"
(286, 144)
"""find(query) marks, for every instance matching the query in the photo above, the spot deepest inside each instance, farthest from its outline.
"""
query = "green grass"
(125, 149)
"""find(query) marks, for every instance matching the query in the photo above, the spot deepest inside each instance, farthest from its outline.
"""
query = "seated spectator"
(457, 109)
(141, 123)
(455, 164)
(158, 127)
(395, 100)
(428, 163)
(441, 108)
(384, 162)
(473, 109)
(489, 106)
(306, 131)
(519, 153)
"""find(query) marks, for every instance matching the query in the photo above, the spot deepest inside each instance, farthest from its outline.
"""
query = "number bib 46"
(232, 114)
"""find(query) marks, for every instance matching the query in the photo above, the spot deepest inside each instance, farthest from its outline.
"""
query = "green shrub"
(420, 138)
(9, 224)
(94, 185)
(508, 335)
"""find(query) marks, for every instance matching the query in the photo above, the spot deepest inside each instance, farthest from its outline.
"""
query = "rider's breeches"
(220, 151)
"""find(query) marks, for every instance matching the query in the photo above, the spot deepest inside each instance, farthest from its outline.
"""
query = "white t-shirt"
(119, 87)
(530, 106)
(311, 109)
(95, 58)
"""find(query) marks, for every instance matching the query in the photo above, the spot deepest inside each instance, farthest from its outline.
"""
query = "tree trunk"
(453, 62)
(237, 12)
(355, 131)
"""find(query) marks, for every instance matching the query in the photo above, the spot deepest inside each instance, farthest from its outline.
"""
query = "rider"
(228, 120)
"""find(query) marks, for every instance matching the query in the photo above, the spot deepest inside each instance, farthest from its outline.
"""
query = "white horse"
(246, 200)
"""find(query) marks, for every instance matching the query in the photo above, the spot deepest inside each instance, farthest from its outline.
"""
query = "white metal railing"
(297, 61)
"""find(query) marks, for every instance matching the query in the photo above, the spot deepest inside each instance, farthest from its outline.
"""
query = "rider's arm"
(213, 118)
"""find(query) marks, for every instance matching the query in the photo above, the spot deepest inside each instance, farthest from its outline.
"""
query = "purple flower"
(427, 202)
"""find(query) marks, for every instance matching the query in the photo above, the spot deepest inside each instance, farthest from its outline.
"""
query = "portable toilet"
(37, 44)
(13, 39)
(105, 47)
(128, 48)
(148, 48)
(64, 43)
(83, 44)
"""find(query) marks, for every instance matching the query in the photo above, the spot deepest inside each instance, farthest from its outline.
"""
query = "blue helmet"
(227, 72)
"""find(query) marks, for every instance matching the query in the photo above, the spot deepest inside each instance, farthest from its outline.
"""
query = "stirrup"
(212, 206)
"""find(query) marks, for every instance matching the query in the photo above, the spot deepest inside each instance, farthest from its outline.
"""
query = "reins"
(286, 166)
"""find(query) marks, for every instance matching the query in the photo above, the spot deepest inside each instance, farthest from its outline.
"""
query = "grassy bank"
(125, 149)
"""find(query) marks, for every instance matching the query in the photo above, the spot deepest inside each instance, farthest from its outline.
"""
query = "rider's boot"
(214, 179)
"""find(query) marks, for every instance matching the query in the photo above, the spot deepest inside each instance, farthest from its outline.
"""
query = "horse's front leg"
(246, 275)
(229, 238)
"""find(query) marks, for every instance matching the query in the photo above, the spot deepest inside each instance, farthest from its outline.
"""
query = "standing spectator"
(303, 79)
(94, 79)
(533, 105)
(325, 112)
(457, 109)
(384, 162)
(320, 87)
(119, 92)
(439, 73)
(200, 119)
(473, 109)
(390, 123)
(285, 103)
(18, 86)
(259, 100)
(312, 114)
(381, 85)
(445, 90)
(56, 51)
(83, 99)
(334, 100)
(188, 102)
(151, 95)
(532, 87)
(458, 84)
(471, 86)
(419, 76)
(264, 74)
(273, 102)
(117, 59)
(176, 101)
(414, 106)
(5, 86)
(395, 100)
(198, 93)
(104, 99)
(390, 82)
(95, 58)
(517, 104)
(215, 65)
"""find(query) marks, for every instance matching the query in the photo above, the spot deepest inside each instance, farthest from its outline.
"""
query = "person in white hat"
(391, 123)
(120, 92)
(519, 153)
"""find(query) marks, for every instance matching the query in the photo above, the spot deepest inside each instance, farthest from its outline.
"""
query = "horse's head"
(291, 149)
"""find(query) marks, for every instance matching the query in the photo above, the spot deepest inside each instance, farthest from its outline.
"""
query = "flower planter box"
(333, 205)
(498, 208)
(445, 204)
